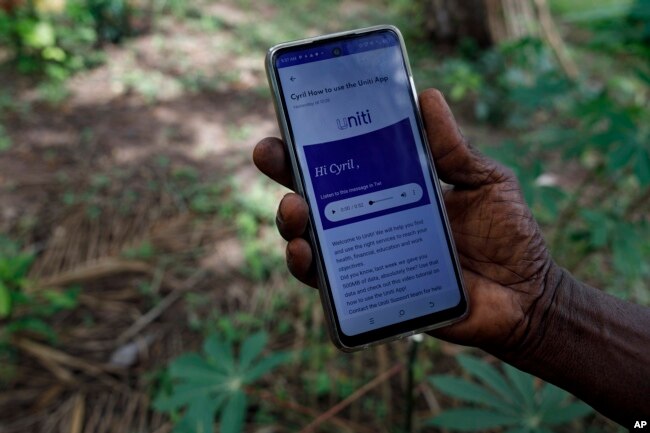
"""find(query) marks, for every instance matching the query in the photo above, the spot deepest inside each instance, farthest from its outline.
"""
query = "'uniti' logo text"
(360, 118)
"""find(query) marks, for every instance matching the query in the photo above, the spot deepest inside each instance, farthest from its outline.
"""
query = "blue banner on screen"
(365, 167)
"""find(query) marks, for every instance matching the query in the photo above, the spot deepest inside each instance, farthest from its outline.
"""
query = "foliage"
(609, 135)
(56, 38)
(14, 266)
(253, 208)
(22, 310)
(44, 41)
(622, 27)
(214, 383)
(511, 400)
(602, 126)
(5, 141)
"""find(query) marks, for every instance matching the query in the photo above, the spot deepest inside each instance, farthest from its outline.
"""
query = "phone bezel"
(400, 329)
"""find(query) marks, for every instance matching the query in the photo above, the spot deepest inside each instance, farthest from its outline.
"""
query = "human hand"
(503, 255)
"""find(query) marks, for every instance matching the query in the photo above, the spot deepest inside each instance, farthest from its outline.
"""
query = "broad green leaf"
(220, 352)
(472, 420)
(232, 416)
(523, 383)
(550, 397)
(567, 413)
(185, 394)
(199, 416)
(488, 375)
(251, 348)
(599, 226)
(265, 365)
(5, 301)
(471, 392)
(193, 368)
(626, 249)
(642, 166)
(620, 157)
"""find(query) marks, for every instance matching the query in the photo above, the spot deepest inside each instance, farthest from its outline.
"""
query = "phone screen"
(375, 210)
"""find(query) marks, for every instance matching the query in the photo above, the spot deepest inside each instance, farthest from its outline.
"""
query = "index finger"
(271, 157)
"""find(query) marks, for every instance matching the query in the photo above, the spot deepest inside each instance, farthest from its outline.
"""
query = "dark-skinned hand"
(503, 255)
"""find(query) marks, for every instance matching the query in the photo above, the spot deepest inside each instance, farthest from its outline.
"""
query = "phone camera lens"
(336, 51)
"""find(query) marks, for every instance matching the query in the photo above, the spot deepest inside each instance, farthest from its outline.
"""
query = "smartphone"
(348, 112)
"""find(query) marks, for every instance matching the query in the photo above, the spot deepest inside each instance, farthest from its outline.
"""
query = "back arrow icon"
(292, 78)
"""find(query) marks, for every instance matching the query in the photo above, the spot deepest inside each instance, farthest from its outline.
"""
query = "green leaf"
(66, 300)
(471, 392)
(488, 375)
(220, 352)
(185, 394)
(472, 420)
(523, 383)
(567, 413)
(192, 367)
(642, 166)
(598, 227)
(40, 35)
(199, 417)
(5, 301)
(251, 348)
(232, 417)
(550, 397)
(626, 249)
(265, 365)
(620, 157)
(32, 324)
(14, 268)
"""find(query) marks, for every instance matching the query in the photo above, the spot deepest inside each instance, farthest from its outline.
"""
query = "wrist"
(543, 320)
(589, 343)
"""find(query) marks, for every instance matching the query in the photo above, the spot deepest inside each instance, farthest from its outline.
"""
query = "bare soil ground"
(101, 172)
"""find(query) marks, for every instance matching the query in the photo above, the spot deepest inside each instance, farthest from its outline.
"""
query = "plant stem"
(408, 421)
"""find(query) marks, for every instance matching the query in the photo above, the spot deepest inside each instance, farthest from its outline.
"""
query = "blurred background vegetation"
(142, 284)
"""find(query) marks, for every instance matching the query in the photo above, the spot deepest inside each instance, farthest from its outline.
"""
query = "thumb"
(456, 163)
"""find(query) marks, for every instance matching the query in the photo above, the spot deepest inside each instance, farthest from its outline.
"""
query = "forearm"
(592, 344)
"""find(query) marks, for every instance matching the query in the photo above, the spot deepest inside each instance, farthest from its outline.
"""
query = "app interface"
(366, 178)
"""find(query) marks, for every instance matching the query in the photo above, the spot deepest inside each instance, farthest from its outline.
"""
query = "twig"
(430, 398)
(156, 311)
(354, 396)
(408, 415)
(91, 271)
(48, 354)
(296, 407)
(77, 417)
(383, 364)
